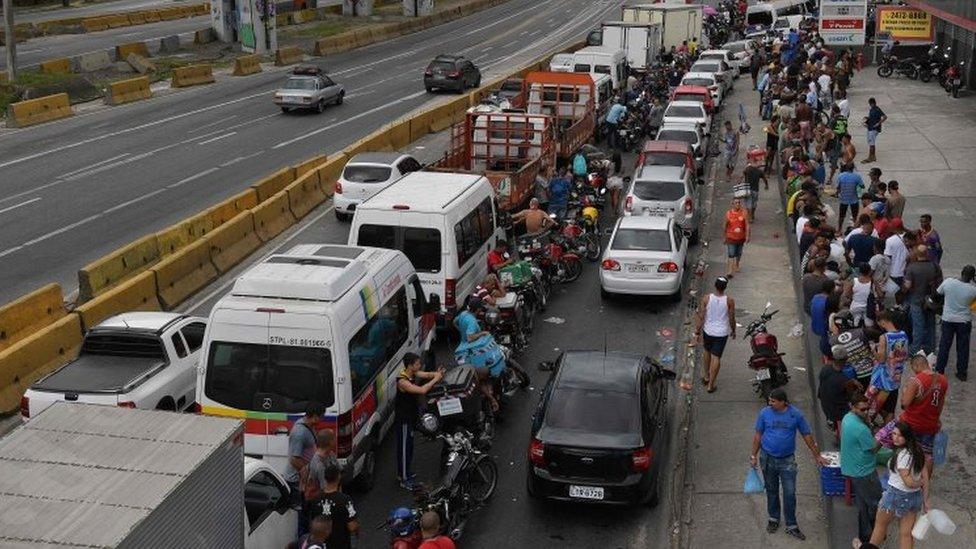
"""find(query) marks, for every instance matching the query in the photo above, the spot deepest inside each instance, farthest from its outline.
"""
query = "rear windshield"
(688, 97)
(601, 69)
(720, 56)
(763, 18)
(442, 65)
(124, 345)
(580, 67)
(664, 159)
(300, 84)
(782, 24)
(705, 67)
(269, 378)
(356, 173)
(641, 240)
(593, 410)
(665, 191)
(697, 82)
(422, 246)
(678, 135)
(683, 112)
(736, 47)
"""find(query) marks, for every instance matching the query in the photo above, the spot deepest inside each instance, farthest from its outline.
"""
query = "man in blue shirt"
(873, 121)
(858, 450)
(559, 194)
(615, 115)
(957, 321)
(773, 449)
(848, 184)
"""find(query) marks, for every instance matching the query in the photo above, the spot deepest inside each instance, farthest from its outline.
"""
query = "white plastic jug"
(922, 526)
(941, 522)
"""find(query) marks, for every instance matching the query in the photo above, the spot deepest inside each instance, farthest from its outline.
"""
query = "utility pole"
(10, 39)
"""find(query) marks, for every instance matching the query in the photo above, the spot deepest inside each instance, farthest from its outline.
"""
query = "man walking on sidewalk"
(873, 121)
(716, 321)
(957, 321)
(773, 449)
(858, 450)
(736, 235)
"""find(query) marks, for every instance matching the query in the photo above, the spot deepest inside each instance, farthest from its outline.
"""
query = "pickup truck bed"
(99, 374)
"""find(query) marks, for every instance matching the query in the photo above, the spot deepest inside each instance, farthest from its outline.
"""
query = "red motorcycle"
(952, 79)
(766, 360)
(549, 253)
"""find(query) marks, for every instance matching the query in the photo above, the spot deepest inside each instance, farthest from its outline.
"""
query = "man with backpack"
(301, 448)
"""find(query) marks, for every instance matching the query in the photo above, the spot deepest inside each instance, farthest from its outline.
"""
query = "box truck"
(679, 22)
(640, 42)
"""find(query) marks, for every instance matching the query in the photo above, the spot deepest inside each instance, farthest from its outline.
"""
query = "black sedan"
(600, 422)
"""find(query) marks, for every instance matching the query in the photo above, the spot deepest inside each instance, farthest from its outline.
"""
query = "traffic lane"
(31, 52)
(88, 10)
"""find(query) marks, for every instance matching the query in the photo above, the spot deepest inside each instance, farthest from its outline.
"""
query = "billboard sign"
(842, 22)
(904, 23)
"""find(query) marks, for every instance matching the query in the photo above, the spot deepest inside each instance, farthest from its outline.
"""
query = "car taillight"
(127, 404)
(338, 188)
(640, 460)
(629, 204)
(667, 267)
(610, 265)
(25, 406)
(344, 435)
(449, 298)
(429, 72)
(537, 452)
(454, 74)
(689, 206)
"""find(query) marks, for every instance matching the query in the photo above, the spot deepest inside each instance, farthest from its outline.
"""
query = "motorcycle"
(469, 482)
(510, 321)
(934, 65)
(558, 265)
(766, 360)
(506, 375)
(952, 80)
(581, 232)
(892, 65)
(460, 405)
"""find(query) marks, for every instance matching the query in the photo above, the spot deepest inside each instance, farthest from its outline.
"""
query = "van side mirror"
(434, 303)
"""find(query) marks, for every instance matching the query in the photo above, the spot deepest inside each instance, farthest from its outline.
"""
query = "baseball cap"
(896, 224)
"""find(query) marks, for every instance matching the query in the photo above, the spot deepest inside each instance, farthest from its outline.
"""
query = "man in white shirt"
(824, 81)
(895, 249)
(802, 220)
(840, 99)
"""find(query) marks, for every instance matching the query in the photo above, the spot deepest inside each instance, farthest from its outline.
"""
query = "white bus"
(760, 17)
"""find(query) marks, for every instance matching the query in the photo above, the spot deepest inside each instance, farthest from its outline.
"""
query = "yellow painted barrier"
(274, 183)
(168, 14)
(200, 225)
(247, 64)
(330, 171)
(136, 294)
(327, 45)
(374, 142)
(399, 133)
(193, 75)
(443, 116)
(419, 125)
(38, 111)
(288, 55)
(117, 21)
(35, 356)
(122, 51)
(232, 207)
(119, 265)
(4, 77)
(94, 24)
(272, 216)
(174, 238)
(54, 66)
(183, 273)
(309, 165)
(27, 314)
(152, 16)
(304, 194)
(136, 18)
(201, 9)
(127, 91)
(232, 242)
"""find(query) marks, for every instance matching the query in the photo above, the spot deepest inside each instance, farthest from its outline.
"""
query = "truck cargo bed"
(100, 374)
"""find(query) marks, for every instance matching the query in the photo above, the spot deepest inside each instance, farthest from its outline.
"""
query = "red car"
(695, 93)
(667, 153)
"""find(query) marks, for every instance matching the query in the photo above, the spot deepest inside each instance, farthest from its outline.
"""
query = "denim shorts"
(734, 249)
(872, 137)
(900, 503)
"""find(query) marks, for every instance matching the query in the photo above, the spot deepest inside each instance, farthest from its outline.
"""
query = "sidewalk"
(723, 424)
(929, 146)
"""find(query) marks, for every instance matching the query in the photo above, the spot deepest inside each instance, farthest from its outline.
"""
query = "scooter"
(766, 360)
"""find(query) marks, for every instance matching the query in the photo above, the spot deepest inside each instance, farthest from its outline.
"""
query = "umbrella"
(709, 10)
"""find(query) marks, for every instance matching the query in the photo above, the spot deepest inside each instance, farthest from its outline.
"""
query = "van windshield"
(664, 191)
(422, 246)
(269, 378)
(763, 18)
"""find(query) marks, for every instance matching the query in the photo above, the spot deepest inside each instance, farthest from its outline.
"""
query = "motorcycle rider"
(535, 219)
(478, 348)
(499, 257)
(430, 529)
(407, 411)
(490, 289)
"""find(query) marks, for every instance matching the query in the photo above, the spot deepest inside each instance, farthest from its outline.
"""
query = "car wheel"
(429, 89)
(653, 496)
(460, 87)
(366, 478)
(477, 82)
(342, 216)
(530, 485)
(605, 295)
(676, 296)
(320, 106)
(341, 98)
(285, 110)
(693, 239)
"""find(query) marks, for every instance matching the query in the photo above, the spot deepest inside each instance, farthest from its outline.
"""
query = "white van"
(322, 323)
(444, 222)
(561, 62)
(596, 60)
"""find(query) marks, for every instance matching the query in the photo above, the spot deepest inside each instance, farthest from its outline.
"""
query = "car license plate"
(585, 492)
(449, 406)
(762, 375)
(638, 268)
(956, 81)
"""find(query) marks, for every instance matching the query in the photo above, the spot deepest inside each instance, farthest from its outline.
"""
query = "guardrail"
(164, 269)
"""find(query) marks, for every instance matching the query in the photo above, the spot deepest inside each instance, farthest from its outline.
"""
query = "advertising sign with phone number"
(842, 22)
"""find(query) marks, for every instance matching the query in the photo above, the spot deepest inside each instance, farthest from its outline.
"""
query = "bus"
(760, 17)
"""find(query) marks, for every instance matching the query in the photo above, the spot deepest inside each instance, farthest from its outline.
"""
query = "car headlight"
(306, 100)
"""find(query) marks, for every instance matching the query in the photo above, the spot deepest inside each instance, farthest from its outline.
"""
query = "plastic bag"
(941, 522)
(939, 448)
(753, 483)
(922, 526)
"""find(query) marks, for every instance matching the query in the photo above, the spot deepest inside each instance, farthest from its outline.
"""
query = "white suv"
(367, 174)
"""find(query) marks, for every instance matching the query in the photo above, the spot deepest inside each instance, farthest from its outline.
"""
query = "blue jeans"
(960, 331)
(778, 471)
(923, 329)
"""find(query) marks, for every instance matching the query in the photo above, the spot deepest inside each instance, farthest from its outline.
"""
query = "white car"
(722, 71)
(367, 174)
(742, 51)
(646, 256)
(707, 80)
(687, 112)
(723, 54)
(692, 134)
(269, 519)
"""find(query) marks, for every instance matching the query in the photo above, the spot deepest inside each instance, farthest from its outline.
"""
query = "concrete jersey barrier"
(127, 91)
(35, 356)
(56, 66)
(30, 313)
(193, 75)
(122, 51)
(135, 294)
(183, 273)
(288, 56)
(304, 194)
(272, 216)
(115, 267)
(233, 241)
(245, 65)
(38, 111)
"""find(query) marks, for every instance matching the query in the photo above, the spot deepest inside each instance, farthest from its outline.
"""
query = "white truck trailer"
(87, 475)
(679, 22)
(640, 42)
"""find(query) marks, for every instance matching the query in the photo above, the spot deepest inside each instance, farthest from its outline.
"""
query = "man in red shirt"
(736, 235)
(922, 399)
(498, 257)
(430, 529)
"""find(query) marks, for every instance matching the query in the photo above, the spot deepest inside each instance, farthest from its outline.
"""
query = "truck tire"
(167, 404)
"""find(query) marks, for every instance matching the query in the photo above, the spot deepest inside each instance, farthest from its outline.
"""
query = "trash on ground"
(795, 331)
(555, 320)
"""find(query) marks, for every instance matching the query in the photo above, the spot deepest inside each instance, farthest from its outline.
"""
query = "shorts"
(714, 345)
(615, 184)
(751, 201)
(900, 503)
(927, 442)
(730, 158)
(734, 249)
(872, 137)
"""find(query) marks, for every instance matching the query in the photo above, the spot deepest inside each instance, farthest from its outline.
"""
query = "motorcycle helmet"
(591, 214)
(401, 522)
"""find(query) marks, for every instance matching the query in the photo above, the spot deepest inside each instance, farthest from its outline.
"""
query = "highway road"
(75, 189)
(28, 15)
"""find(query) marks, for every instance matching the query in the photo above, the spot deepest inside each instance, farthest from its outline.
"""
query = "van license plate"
(585, 492)
(449, 406)
(762, 375)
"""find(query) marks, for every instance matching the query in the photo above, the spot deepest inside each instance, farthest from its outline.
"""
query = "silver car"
(308, 88)
(666, 191)
(722, 71)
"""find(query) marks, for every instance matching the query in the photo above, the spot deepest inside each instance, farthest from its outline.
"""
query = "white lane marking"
(192, 178)
(106, 167)
(502, 20)
(130, 130)
(488, 49)
(350, 119)
(535, 32)
(242, 124)
(35, 50)
(15, 206)
(9, 251)
(212, 124)
(95, 165)
(523, 33)
(134, 200)
(240, 159)
(368, 65)
(218, 138)
(223, 287)
(64, 229)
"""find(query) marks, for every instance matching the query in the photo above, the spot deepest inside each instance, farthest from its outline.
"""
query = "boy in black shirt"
(338, 508)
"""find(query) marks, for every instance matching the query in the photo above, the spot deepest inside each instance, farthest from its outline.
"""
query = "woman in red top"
(736, 234)
(922, 399)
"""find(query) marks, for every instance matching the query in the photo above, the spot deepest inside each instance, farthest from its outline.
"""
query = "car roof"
(448, 57)
(140, 321)
(722, 51)
(697, 75)
(685, 103)
(688, 88)
(667, 145)
(646, 222)
(662, 173)
(608, 371)
(376, 158)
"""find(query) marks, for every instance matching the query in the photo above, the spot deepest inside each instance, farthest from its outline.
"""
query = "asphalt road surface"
(28, 15)
(42, 48)
(75, 189)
